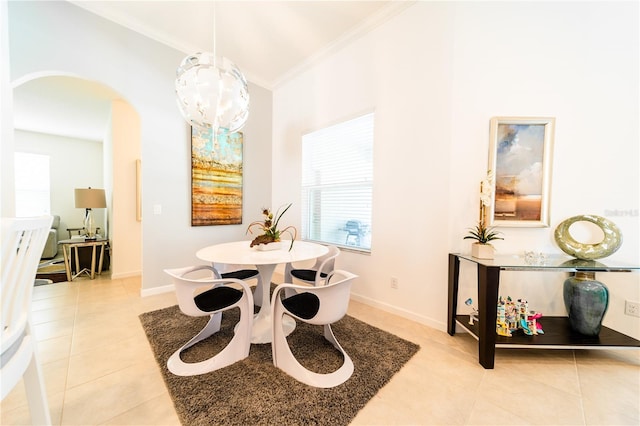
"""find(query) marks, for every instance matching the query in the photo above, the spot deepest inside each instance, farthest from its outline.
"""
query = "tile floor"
(99, 370)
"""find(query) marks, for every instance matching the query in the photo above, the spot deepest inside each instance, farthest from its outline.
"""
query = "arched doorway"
(80, 117)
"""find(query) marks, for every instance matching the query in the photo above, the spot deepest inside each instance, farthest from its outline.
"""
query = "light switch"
(157, 209)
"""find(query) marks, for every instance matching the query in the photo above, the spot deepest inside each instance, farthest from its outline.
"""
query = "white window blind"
(337, 181)
(32, 183)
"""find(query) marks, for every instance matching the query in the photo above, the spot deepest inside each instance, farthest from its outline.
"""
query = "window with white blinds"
(32, 184)
(337, 184)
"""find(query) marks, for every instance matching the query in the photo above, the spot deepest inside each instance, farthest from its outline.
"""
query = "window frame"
(362, 133)
(21, 190)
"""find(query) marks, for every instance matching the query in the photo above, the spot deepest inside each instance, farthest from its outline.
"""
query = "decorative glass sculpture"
(535, 257)
(212, 93)
(610, 244)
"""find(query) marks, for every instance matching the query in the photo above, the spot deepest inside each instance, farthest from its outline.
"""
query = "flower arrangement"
(481, 233)
(269, 226)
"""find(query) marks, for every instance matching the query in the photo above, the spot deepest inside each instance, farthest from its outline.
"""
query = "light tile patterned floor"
(99, 369)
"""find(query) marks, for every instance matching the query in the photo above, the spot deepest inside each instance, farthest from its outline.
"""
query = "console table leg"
(93, 262)
(99, 272)
(77, 260)
(488, 281)
(67, 261)
(454, 275)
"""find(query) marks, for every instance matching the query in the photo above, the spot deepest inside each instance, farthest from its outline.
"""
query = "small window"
(32, 182)
(337, 184)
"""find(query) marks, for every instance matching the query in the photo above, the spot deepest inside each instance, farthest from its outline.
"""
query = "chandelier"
(211, 91)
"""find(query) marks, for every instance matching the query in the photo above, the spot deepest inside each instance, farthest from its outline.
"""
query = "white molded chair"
(316, 275)
(324, 266)
(227, 271)
(322, 305)
(218, 296)
(22, 243)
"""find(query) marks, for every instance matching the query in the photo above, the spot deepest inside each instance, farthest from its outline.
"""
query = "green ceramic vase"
(586, 300)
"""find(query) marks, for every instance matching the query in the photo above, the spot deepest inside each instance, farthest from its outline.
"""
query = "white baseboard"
(157, 290)
(125, 275)
(438, 325)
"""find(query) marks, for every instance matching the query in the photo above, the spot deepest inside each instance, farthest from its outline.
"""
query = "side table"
(73, 244)
(557, 332)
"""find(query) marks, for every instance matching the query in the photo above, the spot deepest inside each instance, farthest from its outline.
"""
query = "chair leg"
(236, 349)
(175, 363)
(212, 327)
(328, 334)
(284, 359)
(343, 373)
(280, 352)
(239, 346)
(36, 393)
(24, 365)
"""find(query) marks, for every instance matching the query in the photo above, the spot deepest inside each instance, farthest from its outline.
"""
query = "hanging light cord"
(214, 33)
(212, 93)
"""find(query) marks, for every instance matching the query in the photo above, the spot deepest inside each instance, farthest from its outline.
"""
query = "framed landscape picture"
(216, 178)
(520, 156)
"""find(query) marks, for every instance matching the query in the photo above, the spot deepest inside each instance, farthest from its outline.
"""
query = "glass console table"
(557, 332)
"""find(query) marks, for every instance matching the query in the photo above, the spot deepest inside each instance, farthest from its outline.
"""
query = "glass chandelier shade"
(212, 93)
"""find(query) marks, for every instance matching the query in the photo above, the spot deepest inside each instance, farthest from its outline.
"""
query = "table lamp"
(90, 199)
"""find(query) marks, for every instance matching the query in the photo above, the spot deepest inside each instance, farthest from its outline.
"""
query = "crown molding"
(392, 9)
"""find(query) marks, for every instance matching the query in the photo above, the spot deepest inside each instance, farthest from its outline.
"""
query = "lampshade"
(212, 93)
(88, 198)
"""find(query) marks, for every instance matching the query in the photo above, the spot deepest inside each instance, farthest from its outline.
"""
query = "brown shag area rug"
(255, 392)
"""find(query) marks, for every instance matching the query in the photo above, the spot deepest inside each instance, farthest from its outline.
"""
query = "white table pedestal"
(261, 332)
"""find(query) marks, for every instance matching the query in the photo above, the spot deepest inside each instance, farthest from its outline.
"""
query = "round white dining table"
(239, 253)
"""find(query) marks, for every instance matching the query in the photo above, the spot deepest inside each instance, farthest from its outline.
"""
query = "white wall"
(577, 62)
(403, 71)
(169, 239)
(7, 183)
(126, 231)
(435, 75)
(58, 36)
(73, 163)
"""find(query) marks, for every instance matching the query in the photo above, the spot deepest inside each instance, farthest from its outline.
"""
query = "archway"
(69, 110)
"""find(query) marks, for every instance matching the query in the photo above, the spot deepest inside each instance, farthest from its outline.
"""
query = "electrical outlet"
(632, 308)
(394, 282)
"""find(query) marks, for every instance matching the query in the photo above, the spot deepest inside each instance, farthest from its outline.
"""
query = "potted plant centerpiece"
(271, 233)
(482, 248)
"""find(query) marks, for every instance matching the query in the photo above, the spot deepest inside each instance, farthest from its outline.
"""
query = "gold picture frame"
(520, 157)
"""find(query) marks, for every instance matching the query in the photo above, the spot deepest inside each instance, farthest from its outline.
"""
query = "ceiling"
(267, 40)
(270, 41)
(64, 106)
